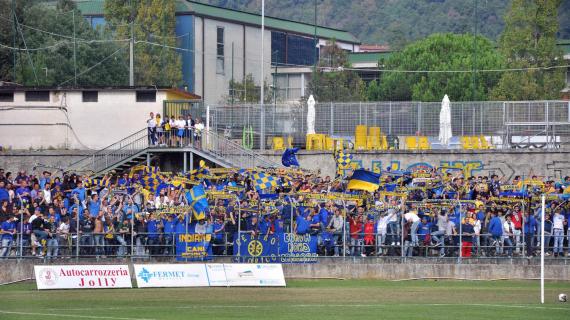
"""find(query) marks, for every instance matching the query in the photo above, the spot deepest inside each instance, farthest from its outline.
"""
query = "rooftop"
(183, 7)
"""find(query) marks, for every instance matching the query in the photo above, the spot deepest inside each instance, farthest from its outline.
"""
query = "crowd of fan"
(47, 216)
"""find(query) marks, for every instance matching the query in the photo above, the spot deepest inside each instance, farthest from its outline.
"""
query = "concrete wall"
(68, 122)
(553, 164)
(14, 161)
(369, 268)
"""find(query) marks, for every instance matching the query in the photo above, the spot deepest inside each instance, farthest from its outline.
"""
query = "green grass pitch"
(301, 299)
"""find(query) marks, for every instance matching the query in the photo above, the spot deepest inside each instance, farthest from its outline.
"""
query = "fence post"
(390, 118)
(419, 119)
(331, 131)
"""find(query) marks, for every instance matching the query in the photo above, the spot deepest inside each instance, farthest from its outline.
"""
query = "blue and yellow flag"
(343, 161)
(364, 180)
(197, 200)
(151, 182)
(263, 181)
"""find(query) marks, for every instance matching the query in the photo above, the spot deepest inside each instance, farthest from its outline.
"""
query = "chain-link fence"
(505, 124)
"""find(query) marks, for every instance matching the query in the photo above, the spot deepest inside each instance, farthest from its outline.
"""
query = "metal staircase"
(135, 149)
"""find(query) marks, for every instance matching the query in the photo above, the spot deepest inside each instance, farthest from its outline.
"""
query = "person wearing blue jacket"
(530, 228)
(496, 230)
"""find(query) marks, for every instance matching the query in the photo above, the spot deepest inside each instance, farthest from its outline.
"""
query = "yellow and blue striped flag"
(197, 200)
(364, 180)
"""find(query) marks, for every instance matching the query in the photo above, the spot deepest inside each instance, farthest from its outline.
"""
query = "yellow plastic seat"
(475, 142)
(383, 143)
(423, 143)
(411, 143)
(466, 143)
(484, 143)
(373, 143)
(374, 131)
(329, 143)
(278, 143)
(360, 137)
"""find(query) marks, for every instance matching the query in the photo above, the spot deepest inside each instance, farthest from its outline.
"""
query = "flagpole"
(239, 227)
(542, 251)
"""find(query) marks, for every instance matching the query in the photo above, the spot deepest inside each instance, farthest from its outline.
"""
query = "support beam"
(191, 161)
(185, 164)
(148, 159)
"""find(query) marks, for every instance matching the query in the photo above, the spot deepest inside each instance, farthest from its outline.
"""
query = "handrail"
(212, 143)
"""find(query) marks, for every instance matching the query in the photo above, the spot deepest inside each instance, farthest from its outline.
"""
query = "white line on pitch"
(323, 306)
(68, 315)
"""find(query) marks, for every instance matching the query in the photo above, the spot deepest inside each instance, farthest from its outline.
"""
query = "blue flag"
(289, 157)
(197, 200)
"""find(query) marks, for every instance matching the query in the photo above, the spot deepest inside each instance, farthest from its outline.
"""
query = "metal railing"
(233, 152)
(209, 142)
(505, 123)
(114, 153)
(136, 245)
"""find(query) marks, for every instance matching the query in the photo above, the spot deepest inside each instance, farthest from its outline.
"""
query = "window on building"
(37, 96)
(300, 50)
(279, 48)
(7, 96)
(146, 96)
(90, 96)
(220, 50)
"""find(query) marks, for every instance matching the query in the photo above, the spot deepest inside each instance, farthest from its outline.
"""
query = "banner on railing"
(281, 248)
(193, 247)
(245, 274)
(82, 277)
(171, 275)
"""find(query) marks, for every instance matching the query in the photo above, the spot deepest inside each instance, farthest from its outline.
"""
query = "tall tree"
(333, 81)
(439, 52)
(48, 30)
(154, 22)
(529, 41)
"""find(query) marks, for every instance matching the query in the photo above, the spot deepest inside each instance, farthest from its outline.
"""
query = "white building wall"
(67, 122)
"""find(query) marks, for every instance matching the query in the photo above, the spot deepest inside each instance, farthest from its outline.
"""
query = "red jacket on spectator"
(369, 233)
(355, 228)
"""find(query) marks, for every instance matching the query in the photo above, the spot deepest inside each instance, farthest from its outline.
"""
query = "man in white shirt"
(508, 233)
(161, 200)
(336, 226)
(382, 229)
(198, 128)
(558, 233)
(151, 125)
(412, 217)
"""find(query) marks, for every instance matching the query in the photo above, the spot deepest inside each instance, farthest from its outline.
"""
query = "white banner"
(254, 275)
(82, 277)
(216, 275)
(171, 275)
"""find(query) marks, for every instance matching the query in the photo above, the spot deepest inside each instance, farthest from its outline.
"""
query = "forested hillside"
(396, 22)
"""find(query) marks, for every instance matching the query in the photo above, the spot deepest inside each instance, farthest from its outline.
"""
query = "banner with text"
(193, 246)
(171, 275)
(280, 248)
(82, 277)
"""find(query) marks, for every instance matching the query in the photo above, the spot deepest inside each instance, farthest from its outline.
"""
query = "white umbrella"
(445, 122)
(311, 115)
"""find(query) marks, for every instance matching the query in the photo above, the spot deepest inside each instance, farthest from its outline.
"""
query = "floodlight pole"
(262, 93)
(542, 251)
